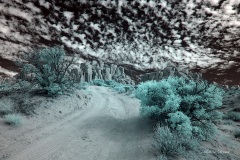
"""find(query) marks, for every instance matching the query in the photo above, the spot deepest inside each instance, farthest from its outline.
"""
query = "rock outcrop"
(86, 72)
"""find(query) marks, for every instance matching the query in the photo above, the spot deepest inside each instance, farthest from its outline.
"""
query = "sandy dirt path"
(111, 129)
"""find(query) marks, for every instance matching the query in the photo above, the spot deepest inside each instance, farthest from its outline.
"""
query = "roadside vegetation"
(45, 72)
(184, 113)
(13, 119)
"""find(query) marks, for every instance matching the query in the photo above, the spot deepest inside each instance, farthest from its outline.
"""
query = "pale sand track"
(109, 129)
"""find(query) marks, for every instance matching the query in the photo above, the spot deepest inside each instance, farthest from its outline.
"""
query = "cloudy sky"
(194, 34)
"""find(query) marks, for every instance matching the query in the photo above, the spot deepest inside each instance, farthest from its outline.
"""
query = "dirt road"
(110, 129)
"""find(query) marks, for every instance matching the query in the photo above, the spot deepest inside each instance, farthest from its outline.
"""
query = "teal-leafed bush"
(119, 87)
(157, 99)
(54, 89)
(48, 68)
(123, 88)
(129, 88)
(180, 122)
(98, 82)
(13, 119)
(187, 106)
(110, 83)
(82, 85)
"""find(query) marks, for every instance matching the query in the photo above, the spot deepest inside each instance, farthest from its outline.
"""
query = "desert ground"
(97, 124)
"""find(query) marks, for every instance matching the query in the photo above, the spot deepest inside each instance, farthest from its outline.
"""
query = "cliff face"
(141, 36)
(86, 72)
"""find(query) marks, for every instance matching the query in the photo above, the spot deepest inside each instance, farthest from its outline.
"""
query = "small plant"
(228, 122)
(235, 116)
(5, 88)
(110, 83)
(25, 107)
(5, 108)
(98, 82)
(204, 130)
(119, 88)
(171, 143)
(162, 157)
(123, 88)
(129, 88)
(237, 133)
(13, 87)
(132, 95)
(13, 119)
(83, 85)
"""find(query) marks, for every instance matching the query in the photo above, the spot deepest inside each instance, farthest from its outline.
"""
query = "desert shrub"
(171, 143)
(162, 157)
(82, 85)
(5, 88)
(19, 87)
(24, 106)
(119, 88)
(129, 88)
(13, 119)
(110, 83)
(187, 106)
(5, 107)
(48, 68)
(235, 116)
(98, 82)
(237, 133)
(122, 88)
(204, 130)
(228, 122)
(132, 95)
